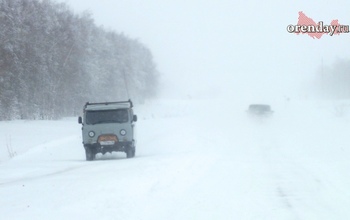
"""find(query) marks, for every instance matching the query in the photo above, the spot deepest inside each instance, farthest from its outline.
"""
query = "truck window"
(107, 116)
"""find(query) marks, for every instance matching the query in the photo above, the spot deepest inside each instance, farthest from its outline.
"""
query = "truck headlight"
(91, 134)
(123, 132)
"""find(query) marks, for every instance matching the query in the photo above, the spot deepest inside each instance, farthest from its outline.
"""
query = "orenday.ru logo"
(308, 26)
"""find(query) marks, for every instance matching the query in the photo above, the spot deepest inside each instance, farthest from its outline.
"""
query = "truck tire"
(89, 154)
(130, 152)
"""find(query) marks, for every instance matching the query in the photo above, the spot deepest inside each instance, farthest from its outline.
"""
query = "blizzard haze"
(202, 46)
(199, 155)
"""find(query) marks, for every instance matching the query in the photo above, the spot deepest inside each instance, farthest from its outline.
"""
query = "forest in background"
(52, 61)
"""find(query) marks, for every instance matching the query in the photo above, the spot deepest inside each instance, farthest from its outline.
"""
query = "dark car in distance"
(260, 110)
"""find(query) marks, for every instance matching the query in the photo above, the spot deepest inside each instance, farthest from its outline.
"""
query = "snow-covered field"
(195, 159)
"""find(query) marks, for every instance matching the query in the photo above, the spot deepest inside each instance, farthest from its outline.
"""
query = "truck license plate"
(107, 142)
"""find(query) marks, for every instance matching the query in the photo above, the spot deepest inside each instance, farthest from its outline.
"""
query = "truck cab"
(108, 127)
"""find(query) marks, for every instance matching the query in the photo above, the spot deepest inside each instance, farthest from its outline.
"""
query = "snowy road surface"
(194, 160)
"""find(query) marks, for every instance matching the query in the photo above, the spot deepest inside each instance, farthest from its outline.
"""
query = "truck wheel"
(89, 154)
(130, 152)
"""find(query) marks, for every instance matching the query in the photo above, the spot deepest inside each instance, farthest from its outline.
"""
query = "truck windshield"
(107, 116)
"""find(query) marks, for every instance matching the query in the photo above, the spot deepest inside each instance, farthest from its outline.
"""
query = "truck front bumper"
(104, 148)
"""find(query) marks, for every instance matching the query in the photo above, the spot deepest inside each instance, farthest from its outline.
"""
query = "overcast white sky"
(202, 44)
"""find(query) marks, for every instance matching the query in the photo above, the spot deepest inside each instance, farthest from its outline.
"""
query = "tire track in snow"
(38, 177)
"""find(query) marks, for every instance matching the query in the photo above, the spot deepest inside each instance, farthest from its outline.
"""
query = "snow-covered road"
(194, 160)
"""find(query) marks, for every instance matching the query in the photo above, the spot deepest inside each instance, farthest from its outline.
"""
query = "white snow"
(195, 159)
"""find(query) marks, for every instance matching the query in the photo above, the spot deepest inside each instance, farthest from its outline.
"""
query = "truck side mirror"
(134, 118)
(80, 120)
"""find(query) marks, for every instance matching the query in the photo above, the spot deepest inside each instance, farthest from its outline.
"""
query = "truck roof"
(108, 105)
